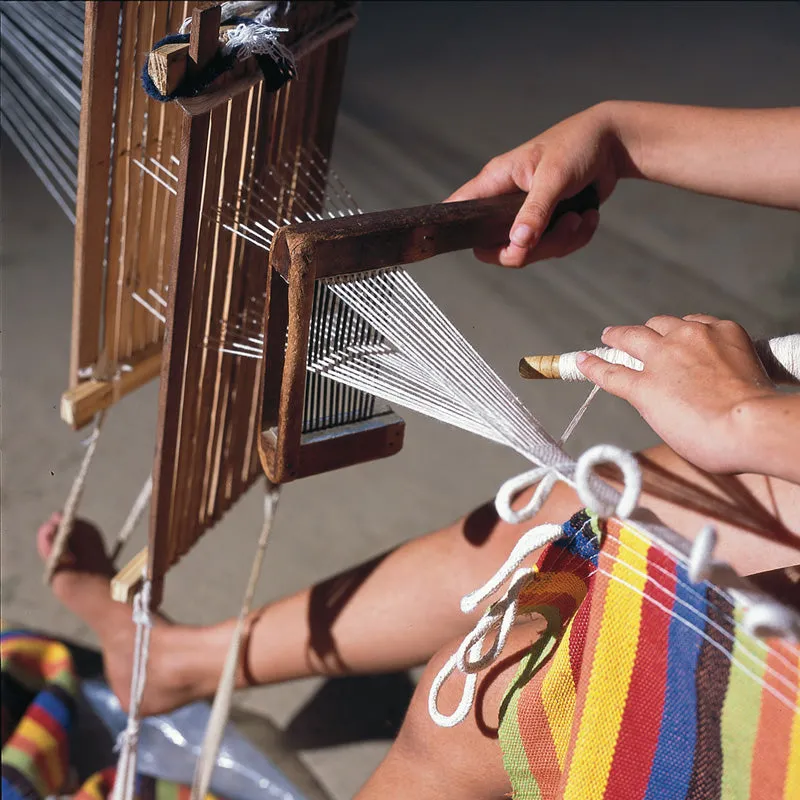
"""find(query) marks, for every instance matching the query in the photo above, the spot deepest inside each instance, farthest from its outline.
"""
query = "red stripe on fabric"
(638, 735)
(36, 666)
(36, 712)
(773, 737)
(60, 741)
(597, 595)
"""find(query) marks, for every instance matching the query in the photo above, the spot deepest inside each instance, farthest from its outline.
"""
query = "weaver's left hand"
(699, 375)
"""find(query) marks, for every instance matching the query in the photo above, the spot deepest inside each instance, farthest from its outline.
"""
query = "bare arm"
(751, 155)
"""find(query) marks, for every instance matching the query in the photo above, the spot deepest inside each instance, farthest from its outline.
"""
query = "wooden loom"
(214, 420)
(170, 249)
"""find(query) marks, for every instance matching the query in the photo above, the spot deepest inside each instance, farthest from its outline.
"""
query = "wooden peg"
(538, 367)
(128, 580)
(167, 66)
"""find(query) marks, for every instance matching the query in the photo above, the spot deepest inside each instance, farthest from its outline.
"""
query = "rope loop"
(469, 658)
(544, 476)
(625, 504)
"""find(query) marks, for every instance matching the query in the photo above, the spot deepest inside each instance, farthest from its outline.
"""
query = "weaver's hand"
(557, 164)
(700, 383)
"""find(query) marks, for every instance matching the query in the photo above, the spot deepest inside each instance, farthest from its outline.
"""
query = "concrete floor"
(433, 90)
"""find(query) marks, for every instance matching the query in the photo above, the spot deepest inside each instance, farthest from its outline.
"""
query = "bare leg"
(397, 610)
(465, 761)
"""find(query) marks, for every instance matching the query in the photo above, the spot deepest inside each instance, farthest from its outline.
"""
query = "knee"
(466, 757)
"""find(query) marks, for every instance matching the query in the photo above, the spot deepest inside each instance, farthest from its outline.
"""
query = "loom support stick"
(780, 357)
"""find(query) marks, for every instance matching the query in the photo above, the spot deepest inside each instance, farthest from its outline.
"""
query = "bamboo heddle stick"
(780, 357)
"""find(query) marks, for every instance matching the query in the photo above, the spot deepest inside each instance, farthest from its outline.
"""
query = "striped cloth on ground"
(39, 687)
(644, 685)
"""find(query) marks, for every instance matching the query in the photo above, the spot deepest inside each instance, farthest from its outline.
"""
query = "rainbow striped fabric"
(645, 686)
(39, 687)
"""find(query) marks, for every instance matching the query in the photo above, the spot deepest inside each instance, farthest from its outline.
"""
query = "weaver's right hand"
(557, 164)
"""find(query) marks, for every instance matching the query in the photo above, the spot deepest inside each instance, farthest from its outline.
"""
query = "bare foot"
(82, 583)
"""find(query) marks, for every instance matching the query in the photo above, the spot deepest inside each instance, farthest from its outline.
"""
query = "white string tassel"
(73, 499)
(258, 39)
(763, 616)
(220, 710)
(128, 740)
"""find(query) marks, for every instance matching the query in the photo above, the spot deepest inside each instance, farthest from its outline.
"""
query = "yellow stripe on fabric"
(612, 667)
(791, 789)
(558, 697)
(552, 585)
(740, 713)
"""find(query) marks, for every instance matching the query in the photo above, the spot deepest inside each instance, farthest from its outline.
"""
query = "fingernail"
(580, 358)
(522, 235)
(606, 330)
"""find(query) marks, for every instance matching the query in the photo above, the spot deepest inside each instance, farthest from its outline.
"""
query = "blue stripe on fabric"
(672, 765)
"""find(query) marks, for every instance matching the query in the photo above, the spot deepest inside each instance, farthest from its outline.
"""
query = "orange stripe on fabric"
(536, 740)
(549, 586)
(611, 671)
(773, 738)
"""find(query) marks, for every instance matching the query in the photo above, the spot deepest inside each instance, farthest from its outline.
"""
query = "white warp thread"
(780, 357)
(220, 709)
(128, 740)
(763, 617)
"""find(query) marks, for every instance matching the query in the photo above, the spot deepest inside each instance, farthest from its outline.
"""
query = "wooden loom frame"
(196, 479)
(107, 324)
(300, 255)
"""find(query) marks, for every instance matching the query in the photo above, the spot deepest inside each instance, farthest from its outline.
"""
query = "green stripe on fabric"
(515, 759)
(166, 790)
(740, 714)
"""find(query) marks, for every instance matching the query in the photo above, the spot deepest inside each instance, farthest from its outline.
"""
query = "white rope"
(73, 499)
(780, 357)
(220, 709)
(470, 657)
(128, 740)
(134, 515)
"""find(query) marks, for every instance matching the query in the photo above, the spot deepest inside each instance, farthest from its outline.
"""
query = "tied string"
(128, 740)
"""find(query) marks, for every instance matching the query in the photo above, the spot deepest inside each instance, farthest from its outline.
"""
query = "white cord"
(128, 740)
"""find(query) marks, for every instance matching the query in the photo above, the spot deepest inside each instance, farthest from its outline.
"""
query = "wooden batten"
(167, 66)
(94, 164)
(128, 580)
(194, 141)
(80, 404)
